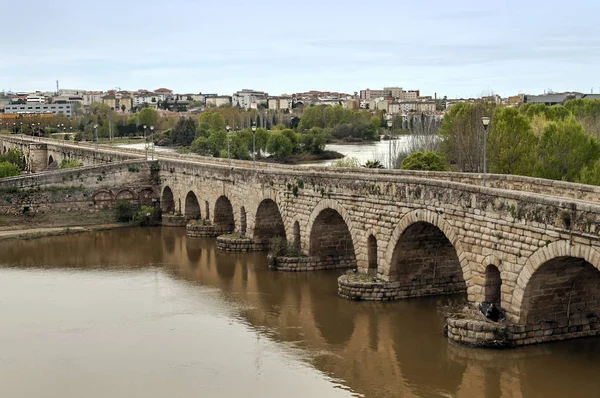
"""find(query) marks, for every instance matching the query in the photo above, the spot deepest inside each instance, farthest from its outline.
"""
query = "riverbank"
(36, 225)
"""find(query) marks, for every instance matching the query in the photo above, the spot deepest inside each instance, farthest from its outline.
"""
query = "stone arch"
(50, 160)
(167, 202)
(372, 254)
(296, 234)
(125, 194)
(493, 285)
(224, 221)
(424, 255)
(147, 196)
(268, 223)
(331, 236)
(559, 284)
(102, 199)
(243, 222)
(192, 207)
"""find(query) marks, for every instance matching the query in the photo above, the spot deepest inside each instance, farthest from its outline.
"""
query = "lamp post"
(151, 135)
(486, 122)
(228, 127)
(390, 123)
(254, 143)
(145, 142)
(96, 135)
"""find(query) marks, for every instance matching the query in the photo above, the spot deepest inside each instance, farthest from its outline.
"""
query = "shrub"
(124, 210)
(70, 164)
(279, 247)
(147, 216)
(352, 163)
(9, 170)
(428, 160)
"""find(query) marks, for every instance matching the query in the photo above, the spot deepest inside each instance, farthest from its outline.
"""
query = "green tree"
(148, 117)
(14, 156)
(462, 135)
(564, 150)
(184, 132)
(8, 169)
(511, 143)
(428, 160)
(70, 164)
(214, 119)
(279, 145)
(311, 117)
(590, 174)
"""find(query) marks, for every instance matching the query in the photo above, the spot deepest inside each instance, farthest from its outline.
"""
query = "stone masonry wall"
(484, 225)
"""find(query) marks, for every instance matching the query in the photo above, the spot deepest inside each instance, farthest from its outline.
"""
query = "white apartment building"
(91, 97)
(56, 109)
(249, 98)
(218, 100)
(34, 98)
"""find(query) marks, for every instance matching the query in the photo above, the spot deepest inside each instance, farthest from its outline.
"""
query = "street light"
(151, 135)
(96, 135)
(390, 123)
(228, 127)
(254, 143)
(486, 122)
(145, 142)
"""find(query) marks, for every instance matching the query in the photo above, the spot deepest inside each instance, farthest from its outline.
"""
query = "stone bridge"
(531, 246)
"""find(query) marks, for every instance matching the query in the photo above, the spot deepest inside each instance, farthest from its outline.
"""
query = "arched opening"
(425, 262)
(268, 224)
(125, 194)
(493, 284)
(564, 291)
(50, 160)
(331, 241)
(372, 254)
(192, 207)
(167, 203)
(297, 234)
(224, 221)
(242, 220)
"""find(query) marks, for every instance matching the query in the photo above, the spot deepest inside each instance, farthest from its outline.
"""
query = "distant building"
(548, 99)
(56, 109)
(218, 100)
(91, 97)
(38, 99)
(410, 95)
(249, 98)
(116, 101)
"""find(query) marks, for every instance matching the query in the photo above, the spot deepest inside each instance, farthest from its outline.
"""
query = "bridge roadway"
(531, 246)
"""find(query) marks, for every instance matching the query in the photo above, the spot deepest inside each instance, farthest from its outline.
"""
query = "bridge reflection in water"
(375, 349)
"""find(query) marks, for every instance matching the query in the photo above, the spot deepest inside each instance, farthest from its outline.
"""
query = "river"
(152, 313)
(363, 152)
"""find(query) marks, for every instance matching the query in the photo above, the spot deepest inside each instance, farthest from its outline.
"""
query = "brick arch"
(223, 215)
(103, 199)
(562, 249)
(126, 194)
(331, 208)
(445, 238)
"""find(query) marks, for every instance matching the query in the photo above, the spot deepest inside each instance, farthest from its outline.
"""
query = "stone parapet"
(303, 264)
(477, 333)
(361, 288)
(200, 231)
(230, 244)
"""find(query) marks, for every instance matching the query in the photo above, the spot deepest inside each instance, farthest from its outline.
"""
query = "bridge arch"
(332, 233)
(268, 223)
(224, 221)
(50, 160)
(559, 284)
(192, 207)
(167, 202)
(125, 194)
(424, 252)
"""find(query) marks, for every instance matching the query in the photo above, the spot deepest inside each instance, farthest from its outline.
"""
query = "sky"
(459, 48)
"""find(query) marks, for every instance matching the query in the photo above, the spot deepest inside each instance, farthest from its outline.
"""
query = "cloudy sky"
(454, 48)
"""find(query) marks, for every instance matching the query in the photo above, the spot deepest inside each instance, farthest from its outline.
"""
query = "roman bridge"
(531, 246)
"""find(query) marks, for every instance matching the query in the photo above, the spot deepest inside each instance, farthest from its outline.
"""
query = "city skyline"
(463, 50)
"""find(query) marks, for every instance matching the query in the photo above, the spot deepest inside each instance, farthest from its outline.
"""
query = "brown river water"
(152, 313)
